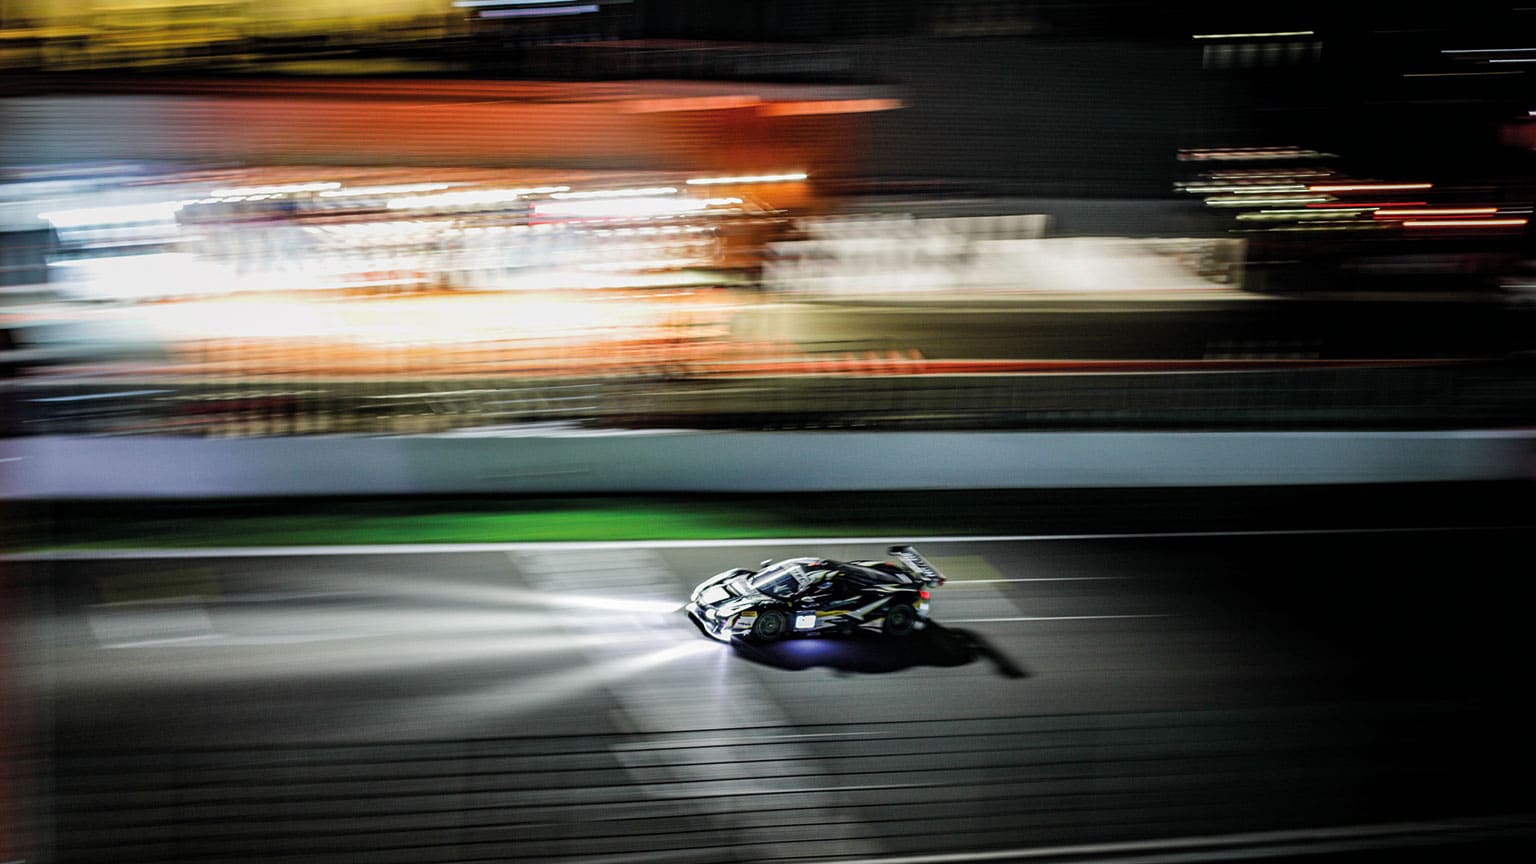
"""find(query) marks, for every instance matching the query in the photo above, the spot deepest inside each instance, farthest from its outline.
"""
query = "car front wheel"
(899, 620)
(769, 625)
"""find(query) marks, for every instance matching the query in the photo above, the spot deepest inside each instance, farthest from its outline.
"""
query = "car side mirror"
(764, 563)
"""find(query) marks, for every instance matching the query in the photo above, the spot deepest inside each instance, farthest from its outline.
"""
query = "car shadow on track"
(868, 653)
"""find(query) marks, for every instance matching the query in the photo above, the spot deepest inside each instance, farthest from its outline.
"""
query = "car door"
(811, 607)
(845, 594)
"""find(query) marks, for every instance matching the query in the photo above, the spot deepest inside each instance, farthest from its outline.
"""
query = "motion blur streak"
(609, 604)
(407, 271)
(1465, 223)
(1195, 686)
(1258, 844)
(489, 709)
(1367, 187)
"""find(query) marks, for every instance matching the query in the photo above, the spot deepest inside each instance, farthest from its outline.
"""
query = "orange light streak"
(1464, 223)
(1436, 211)
(828, 106)
(689, 103)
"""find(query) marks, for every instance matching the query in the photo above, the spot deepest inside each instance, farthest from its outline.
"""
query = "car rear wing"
(917, 564)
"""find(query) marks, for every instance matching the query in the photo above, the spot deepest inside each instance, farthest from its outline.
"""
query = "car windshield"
(780, 580)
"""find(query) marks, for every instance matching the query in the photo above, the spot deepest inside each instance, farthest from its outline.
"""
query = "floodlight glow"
(124, 214)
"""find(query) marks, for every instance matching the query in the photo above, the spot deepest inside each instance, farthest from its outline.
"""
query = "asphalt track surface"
(548, 702)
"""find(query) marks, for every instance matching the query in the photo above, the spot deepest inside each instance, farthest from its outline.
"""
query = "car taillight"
(923, 593)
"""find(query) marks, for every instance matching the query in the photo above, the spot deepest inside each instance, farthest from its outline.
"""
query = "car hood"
(721, 587)
(729, 606)
(728, 593)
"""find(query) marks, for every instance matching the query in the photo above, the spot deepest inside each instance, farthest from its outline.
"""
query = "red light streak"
(1436, 211)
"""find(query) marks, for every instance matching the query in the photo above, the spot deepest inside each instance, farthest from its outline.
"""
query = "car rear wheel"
(770, 625)
(899, 620)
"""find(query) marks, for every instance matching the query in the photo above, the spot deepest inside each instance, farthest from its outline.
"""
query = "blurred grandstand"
(240, 302)
(229, 218)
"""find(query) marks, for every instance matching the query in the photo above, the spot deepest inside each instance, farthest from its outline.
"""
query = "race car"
(800, 596)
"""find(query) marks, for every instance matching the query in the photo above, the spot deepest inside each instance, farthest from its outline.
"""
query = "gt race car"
(814, 595)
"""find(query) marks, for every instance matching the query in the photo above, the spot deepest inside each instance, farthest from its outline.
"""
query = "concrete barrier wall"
(80, 467)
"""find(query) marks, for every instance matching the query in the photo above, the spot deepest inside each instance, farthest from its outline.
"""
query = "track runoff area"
(1183, 696)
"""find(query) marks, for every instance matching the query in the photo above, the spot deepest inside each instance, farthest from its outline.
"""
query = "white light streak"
(1250, 202)
(622, 208)
(1348, 211)
(397, 189)
(1251, 189)
(1045, 618)
(283, 189)
(1297, 215)
(87, 396)
(642, 192)
(540, 11)
(1251, 154)
(1366, 187)
(750, 178)
(1253, 35)
(1453, 74)
(470, 197)
(477, 4)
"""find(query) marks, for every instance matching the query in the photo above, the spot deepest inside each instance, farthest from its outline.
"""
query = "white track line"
(1311, 840)
(555, 545)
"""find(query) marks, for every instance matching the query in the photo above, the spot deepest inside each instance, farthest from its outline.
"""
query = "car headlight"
(710, 614)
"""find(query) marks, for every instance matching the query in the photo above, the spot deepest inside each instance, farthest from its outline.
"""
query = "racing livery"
(815, 595)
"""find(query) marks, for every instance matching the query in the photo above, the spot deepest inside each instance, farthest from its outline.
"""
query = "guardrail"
(578, 462)
(870, 393)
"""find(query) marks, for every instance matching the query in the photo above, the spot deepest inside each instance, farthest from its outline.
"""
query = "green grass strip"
(79, 525)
